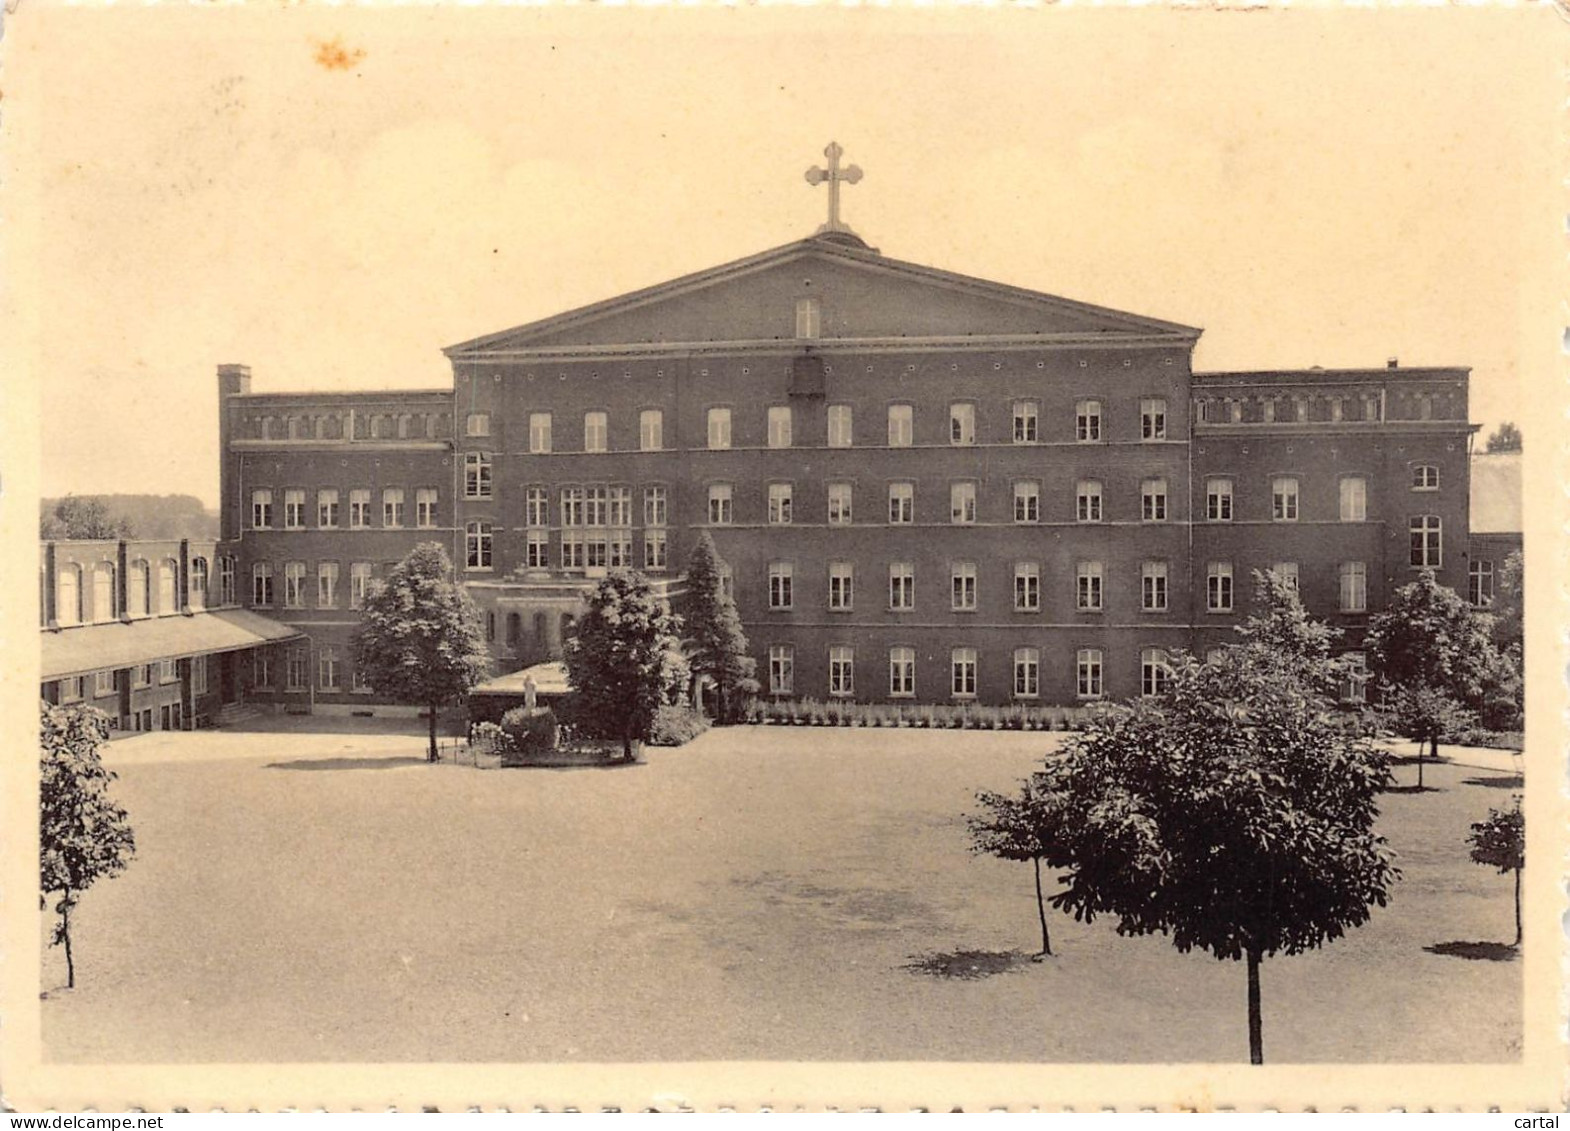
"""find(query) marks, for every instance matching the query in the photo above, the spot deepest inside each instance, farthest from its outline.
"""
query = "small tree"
(1429, 637)
(84, 836)
(1232, 813)
(624, 659)
(1425, 715)
(1500, 842)
(420, 638)
(83, 516)
(1020, 827)
(718, 646)
(1505, 438)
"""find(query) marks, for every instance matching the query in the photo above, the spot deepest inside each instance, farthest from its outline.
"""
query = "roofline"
(821, 246)
(318, 394)
(1317, 374)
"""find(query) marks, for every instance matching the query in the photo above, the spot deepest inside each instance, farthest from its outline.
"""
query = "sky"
(331, 194)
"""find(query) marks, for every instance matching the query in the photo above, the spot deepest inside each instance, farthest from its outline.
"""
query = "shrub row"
(934, 716)
(676, 726)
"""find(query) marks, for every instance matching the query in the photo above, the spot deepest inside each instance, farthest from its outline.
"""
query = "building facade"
(925, 486)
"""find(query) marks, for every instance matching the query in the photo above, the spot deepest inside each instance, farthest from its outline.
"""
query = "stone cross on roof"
(834, 175)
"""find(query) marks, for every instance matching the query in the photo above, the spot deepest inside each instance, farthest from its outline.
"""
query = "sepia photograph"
(784, 556)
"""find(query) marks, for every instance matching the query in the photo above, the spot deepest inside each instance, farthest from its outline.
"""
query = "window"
(168, 570)
(359, 509)
(719, 428)
(1027, 587)
(902, 503)
(537, 549)
(807, 318)
(477, 424)
(1027, 501)
(719, 504)
(226, 580)
(392, 507)
(962, 502)
(1288, 572)
(839, 504)
(1087, 422)
(902, 586)
(651, 430)
(327, 509)
(536, 506)
(779, 426)
(1480, 583)
(294, 585)
(620, 506)
(1354, 498)
(1155, 672)
(1087, 502)
(842, 586)
(902, 426)
(654, 549)
(1153, 500)
(168, 671)
(962, 670)
(477, 475)
(1153, 419)
(68, 595)
(1087, 667)
(1153, 587)
(779, 504)
(295, 676)
(1425, 477)
(358, 681)
(781, 585)
(1355, 689)
(1218, 587)
(261, 668)
(196, 588)
(962, 424)
(142, 675)
(539, 433)
(962, 581)
(595, 432)
(262, 584)
(294, 509)
(1283, 499)
(327, 668)
(425, 507)
(654, 506)
(359, 583)
(139, 589)
(839, 426)
(1218, 500)
(1353, 584)
(71, 688)
(106, 599)
(1025, 422)
(573, 506)
(842, 670)
(727, 582)
(326, 585)
(1425, 530)
(782, 669)
(477, 545)
(1027, 673)
(103, 683)
(261, 510)
(902, 672)
(1087, 587)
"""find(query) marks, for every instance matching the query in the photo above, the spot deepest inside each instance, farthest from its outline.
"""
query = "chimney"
(1392, 363)
(234, 380)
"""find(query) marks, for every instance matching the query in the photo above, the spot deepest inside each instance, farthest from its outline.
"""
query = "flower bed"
(930, 716)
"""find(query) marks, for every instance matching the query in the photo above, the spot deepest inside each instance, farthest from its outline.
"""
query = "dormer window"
(808, 318)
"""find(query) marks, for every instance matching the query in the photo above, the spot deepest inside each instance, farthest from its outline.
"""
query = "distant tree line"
(126, 516)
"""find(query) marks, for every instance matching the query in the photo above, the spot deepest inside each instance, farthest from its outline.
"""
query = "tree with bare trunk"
(1499, 841)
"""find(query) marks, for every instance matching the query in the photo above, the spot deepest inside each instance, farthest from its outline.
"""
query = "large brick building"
(925, 485)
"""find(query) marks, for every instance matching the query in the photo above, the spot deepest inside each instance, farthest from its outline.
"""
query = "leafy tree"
(84, 836)
(1499, 841)
(1233, 813)
(624, 659)
(1505, 438)
(1429, 637)
(82, 517)
(1507, 609)
(420, 638)
(1020, 827)
(1280, 623)
(1425, 715)
(717, 645)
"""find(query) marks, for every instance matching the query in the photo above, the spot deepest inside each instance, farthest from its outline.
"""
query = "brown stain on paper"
(333, 55)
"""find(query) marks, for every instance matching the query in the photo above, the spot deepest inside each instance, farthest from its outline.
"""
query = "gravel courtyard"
(765, 893)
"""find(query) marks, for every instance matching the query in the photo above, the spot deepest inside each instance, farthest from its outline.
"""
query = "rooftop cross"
(834, 175)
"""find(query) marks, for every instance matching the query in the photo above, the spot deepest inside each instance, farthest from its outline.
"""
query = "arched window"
(539, 629)
(138, 589)
(514, 628)
(198, 593)
(105, 599)
(567, 620)
(68, 594)
(167, 571)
